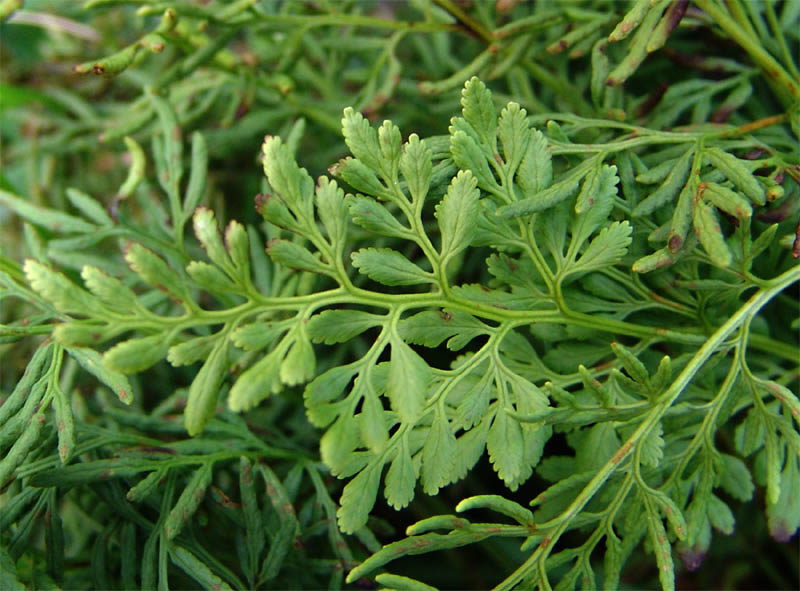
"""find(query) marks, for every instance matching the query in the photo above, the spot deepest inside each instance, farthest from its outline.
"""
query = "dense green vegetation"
(344, 294)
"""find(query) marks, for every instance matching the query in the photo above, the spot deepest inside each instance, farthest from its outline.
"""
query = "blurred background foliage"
(236, 71)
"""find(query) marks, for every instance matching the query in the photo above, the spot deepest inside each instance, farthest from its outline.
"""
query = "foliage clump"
(583, 280)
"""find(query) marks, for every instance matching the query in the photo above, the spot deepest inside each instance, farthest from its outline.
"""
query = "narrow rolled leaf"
(189, 501)
(196, 189)
(728, 201)
(201, 402)
(630, 21)
(196, 569)
(522, 515)
(89, 207)
(388, 267)
(737, 171)
(669, 189)
(43, 217)
(709, 233)
(92, 362)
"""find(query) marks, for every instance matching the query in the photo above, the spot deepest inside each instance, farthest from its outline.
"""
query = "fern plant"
(523, 283)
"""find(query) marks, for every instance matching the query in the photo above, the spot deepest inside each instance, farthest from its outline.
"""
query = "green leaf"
(734, 478)
(783, 517)
(372, 216)
(257, 383)
(338, 443)
(359, 176)
(514, 135)
(91, 361)
(109, 290)
(505, 446)
(338, 326)
(415, 164)
(358, 498)
(65, 295)
(542, 199)
(727, 200)
(431, 327)
(400, 479)
(299, 365)
(191, 351)
(407, 383)
(43, 217)
(506, 507)
(438, 455)
(652, 447)
(457, 214)
(362, 140)
(211, 278)
(389, 141)
(332, 210)
(535, 171)
(292, 183)
(201, 402)
(478, 110)
(135, 355)
(468, 155)
(720, 515)
(155, 271)
(323, 389)
(388, 267)
(294, 256)
(605, 249)
(207, 232)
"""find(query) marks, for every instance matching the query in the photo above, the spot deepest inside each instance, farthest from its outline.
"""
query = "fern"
(522, 283)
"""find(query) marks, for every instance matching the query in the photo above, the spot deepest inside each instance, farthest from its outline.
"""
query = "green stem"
(561, 523)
